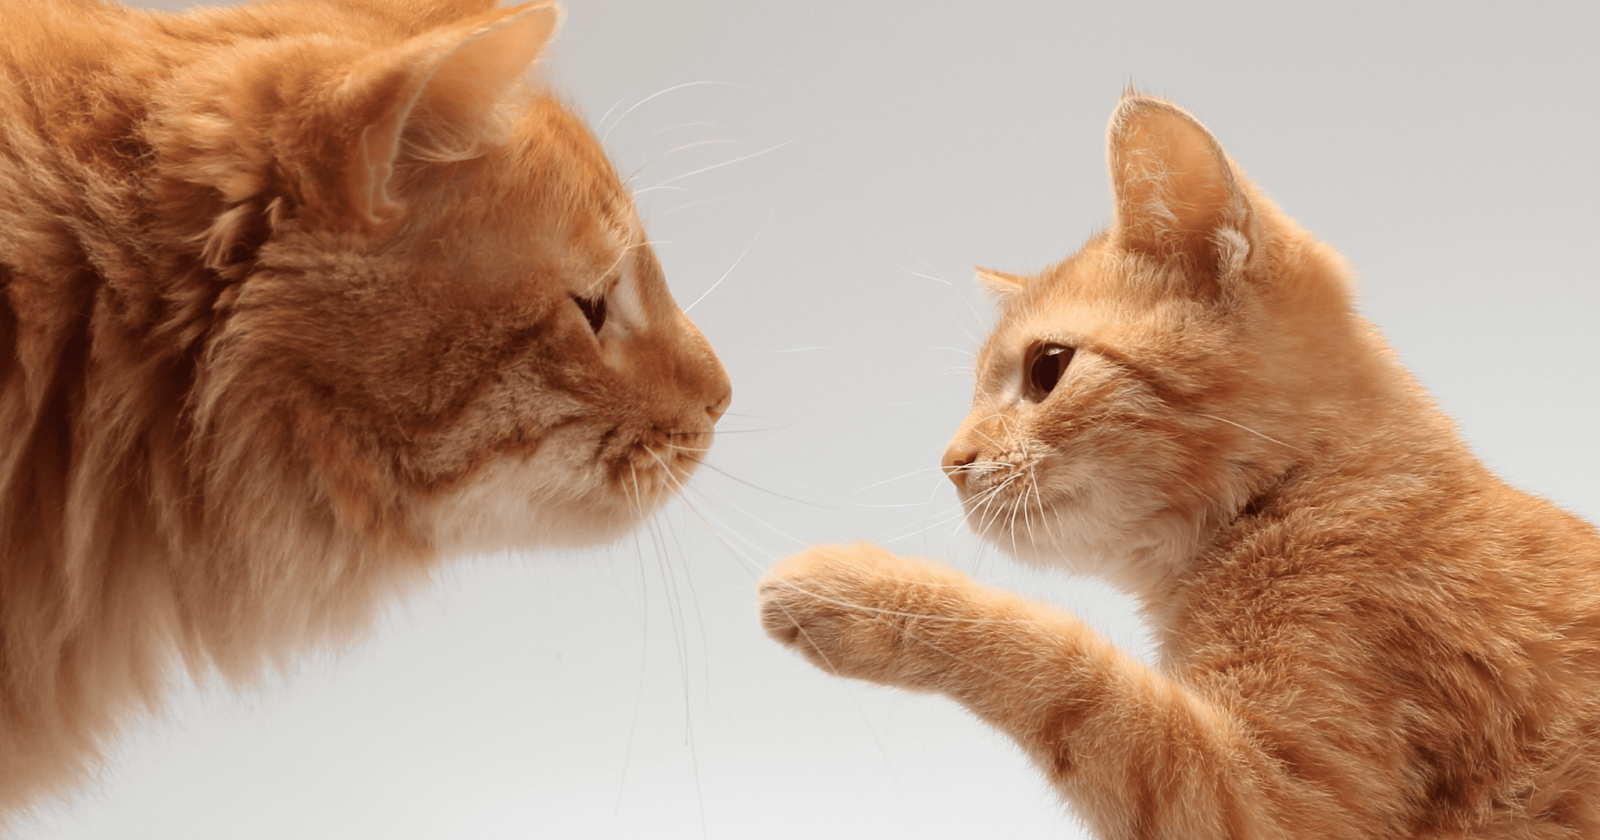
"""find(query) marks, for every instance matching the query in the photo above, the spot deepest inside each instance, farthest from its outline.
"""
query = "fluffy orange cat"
(1363, 633)
(296, 298)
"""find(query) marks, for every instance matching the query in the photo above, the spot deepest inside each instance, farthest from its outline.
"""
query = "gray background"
(866, 155)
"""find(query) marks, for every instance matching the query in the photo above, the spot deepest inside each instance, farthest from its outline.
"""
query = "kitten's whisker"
(1252, 431)
(896, 478)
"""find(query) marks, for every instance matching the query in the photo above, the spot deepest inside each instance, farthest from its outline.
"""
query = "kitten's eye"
(1045, 364)
(594, 310)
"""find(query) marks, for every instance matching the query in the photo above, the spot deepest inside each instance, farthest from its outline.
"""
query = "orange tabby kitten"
(296, 298)
(1363, 633)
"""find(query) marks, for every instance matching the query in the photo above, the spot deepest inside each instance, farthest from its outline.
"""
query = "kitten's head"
(435, 301)
(1147, 388)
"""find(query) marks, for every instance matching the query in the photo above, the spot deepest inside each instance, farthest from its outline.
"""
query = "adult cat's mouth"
(658, 464)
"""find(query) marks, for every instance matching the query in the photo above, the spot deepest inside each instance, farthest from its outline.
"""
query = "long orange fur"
(296, 298)
(1363, 633)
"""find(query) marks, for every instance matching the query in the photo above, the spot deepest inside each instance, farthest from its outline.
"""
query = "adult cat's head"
(439, 303)
(1146, 389)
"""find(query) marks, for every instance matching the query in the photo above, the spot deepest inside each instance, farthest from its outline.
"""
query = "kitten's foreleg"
(1140, 754)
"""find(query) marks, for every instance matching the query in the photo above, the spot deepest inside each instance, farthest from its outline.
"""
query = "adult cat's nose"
(957, 457)
(717, 409)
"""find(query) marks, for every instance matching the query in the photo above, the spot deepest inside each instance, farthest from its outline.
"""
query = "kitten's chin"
(1133, 549)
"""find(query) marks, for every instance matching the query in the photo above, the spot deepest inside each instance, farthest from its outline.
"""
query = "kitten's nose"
(956, 458)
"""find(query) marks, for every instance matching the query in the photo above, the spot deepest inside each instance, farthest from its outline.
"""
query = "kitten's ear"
(439, 87)
(1176, 194)
(999, 283)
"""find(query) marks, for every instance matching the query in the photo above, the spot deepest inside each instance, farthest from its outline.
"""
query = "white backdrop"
(834, 169)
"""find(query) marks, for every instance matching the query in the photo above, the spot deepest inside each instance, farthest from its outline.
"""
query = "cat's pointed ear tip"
(551, 10)
(1136, 103)
(548, 15)
(999, 282)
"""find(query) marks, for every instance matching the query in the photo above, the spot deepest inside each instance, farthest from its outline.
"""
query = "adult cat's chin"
(518, 506)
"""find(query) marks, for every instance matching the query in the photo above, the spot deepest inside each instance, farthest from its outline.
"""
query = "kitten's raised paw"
(852, 610)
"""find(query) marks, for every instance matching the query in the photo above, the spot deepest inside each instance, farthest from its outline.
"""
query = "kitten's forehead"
(1100, 300)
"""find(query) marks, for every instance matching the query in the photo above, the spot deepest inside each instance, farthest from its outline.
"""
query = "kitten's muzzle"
(957, 458)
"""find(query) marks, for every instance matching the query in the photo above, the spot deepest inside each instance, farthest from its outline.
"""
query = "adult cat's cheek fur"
(312, 298)
(551, 498)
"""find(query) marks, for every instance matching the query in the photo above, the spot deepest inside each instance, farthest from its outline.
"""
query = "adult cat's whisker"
(701, 124)
(721, 471)
(752, 517)
(740, 414)
(939, 280)
(768, 150)
(681, 148)
(721, 432)
(670, 210)
(740, 258)
(622, 254)
(640, 103)
(614, 106)
(640, 193)
(702, 488)
(720, 530)
(678, 617)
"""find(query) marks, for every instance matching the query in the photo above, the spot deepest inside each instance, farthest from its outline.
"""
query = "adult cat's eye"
(1045, 364)
(594, 310)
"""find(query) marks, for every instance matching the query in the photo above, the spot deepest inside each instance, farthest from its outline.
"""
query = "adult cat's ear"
(438, 89)
(1176, 194)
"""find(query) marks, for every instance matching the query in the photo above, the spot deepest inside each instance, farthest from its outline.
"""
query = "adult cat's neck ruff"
(295, 298)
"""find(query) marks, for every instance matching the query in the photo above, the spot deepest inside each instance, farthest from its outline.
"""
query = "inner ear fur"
(1176, 195)
(315, 128)
(436, 93)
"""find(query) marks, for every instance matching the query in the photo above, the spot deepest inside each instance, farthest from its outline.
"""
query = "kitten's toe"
(777, 618)
(827, 606)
